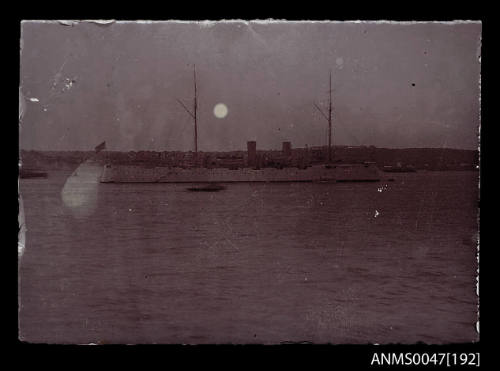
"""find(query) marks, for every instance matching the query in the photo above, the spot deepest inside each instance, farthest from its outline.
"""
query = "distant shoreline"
(420, 158)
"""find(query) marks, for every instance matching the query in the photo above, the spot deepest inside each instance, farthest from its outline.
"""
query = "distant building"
(287, 149)
(252, 152)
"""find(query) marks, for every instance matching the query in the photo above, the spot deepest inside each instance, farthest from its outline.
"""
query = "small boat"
(207, 188)
(399, 169)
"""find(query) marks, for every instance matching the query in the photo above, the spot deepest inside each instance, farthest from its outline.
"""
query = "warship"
(250, 172)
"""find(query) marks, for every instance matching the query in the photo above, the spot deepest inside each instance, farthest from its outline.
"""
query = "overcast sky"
(394, 84)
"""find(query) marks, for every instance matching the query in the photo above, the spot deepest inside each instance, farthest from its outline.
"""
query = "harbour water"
(386, 262)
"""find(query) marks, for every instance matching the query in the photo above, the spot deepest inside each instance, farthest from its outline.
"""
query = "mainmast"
(328, 118)
(330, 121)
(195, 113)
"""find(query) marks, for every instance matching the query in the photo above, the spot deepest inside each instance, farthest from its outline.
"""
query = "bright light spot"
(34, 100)
(68, 84)
(376, 213)
(22, 229)
(220, 110)
(79, 193)
(383, 188)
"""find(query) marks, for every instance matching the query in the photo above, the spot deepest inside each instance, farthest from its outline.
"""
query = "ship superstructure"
(253, 170)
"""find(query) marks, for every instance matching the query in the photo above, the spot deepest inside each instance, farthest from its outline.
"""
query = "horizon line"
(239, 150)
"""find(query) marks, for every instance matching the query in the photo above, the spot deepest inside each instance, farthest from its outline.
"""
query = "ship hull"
(334, 173)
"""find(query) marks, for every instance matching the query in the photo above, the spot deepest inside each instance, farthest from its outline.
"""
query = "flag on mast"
(100, 147)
